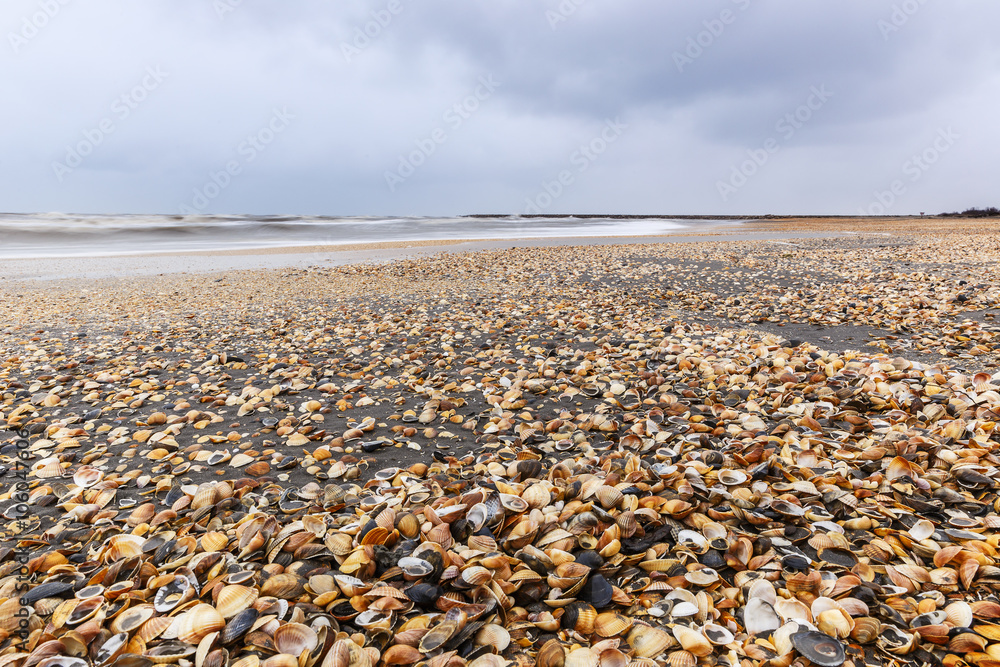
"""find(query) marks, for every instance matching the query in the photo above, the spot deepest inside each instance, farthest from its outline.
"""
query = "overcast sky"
(406, 107)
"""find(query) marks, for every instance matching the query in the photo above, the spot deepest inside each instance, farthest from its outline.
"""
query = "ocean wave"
(60, 234)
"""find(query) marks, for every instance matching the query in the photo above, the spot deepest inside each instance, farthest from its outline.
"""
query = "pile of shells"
(682, 550)
(649, 498)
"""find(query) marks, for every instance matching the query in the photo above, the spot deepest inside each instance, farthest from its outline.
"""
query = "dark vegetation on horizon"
(991, 212)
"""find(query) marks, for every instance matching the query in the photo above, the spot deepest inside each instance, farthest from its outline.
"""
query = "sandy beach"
(736, 382)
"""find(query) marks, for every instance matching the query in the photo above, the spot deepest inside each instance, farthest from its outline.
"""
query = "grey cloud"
(357, 117)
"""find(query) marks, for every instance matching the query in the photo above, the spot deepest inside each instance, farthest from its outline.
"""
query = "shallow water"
(66, 235)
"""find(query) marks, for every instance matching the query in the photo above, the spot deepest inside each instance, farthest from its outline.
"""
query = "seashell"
(921, 530)
(608, 496)
(401, 654)
(717, 634)
(123, 547)
(512, 503)
(153, 628)
(611, 624)
(731, 477)
(62, 661)
(835, 623)
(896, 641)
(284, 586)
(494, 660)
(866, 630)
(612, 657)
(132, 618)
(438, 636)
(760, 617)
(522, 534)
(648, 642)
(692, 641)
(966, 642)
(935, 634)
(112, 648)
(238, 625)
(582, 657)
(693, 540)
(87, 476)
(597, 591)
(552, 654)
(764, 590)
(258, 469)
(681, 659)
(702, 577)
(579, 616)
(493, 635)
(295, 639)
(170, 652)
(351, 586)
(959, 614)
(794, 609)
(476, 575)
(819, 648)
(281, 660)
(85, 610)
(214, 541)
(536, 496)
(198, 622)
(234, 598)
(408, 525)
(936, 617)
(204, 496)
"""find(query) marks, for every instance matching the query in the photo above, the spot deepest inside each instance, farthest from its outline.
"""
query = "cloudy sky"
(397, 107)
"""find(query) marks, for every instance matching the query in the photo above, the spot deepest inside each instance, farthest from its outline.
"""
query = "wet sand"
(87, 268)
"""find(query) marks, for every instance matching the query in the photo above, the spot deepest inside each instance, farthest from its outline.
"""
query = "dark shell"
(424, 594)
(795, 562)
(841, 557)
(50, 589)
(819, 649)
(461, 530)
(238, 625)
(597, 591)
(713, 559)
(529, 468)
(590, 558)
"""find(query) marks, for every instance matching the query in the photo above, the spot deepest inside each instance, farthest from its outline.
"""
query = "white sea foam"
(80, 235)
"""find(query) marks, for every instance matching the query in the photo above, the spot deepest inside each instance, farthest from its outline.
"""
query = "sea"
(41, 235)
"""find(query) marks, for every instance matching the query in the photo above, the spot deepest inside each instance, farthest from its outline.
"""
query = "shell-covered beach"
(724, 452)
